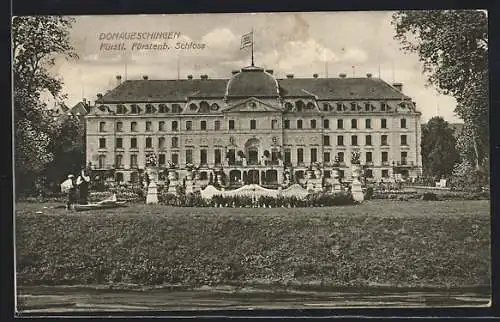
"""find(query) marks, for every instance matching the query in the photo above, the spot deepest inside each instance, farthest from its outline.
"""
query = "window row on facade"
(252, 124)
(217, 158)
(297, 106)
(174, 141)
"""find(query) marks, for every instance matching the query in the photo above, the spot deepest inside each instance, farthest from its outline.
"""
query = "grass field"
(411, 244)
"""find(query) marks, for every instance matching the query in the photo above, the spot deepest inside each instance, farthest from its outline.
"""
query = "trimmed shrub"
(429, 196)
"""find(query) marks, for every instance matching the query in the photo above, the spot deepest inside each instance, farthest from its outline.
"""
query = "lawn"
(410, 244)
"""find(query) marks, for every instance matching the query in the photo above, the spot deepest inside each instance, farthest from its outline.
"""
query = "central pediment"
(253, 104)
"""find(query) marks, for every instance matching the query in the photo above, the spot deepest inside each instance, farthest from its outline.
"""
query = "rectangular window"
(353, 106)
(148, 126)
(161, 143)
(314, 155)
(189, 125)
(385, 173)
(189, 156)
(231, 124)
(175, 158)
(161, 126)
(340, 107)
(368, 123)
(175, 142)
(383, 106)
(119, 143)
(326, 140)
(369, 173)
(161, 159)
(175, 126)
(367, 107)
(274, 157)
(299, 124)
(326, 156)
(313, 124)
(404, 157)
(286, 125)
(341, 174)
(274, 124)
(149, 143)
(354, 140)
(133, 126)
(119, 127)
(403, 123)
(203, 156)
(383, 140)
(300, 155)
(133, 161)
(133, 143)
(354, 124)
(217, 125)
(231, 153)
(203, 125)
(218, 156)
(102, 143)
(119, 161)
(383, 123)
(340, 124)
(288, 156)
(368, 140)
(102, 126)
(404, 140)
(385, 156)
(340, 140)
(369, 157)
(326, 124)
(340, 156)
(253, 124)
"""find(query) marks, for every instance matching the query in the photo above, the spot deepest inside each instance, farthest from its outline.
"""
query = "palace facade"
(254, 127)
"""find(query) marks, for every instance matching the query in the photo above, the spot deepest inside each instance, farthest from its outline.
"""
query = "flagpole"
(252, 48)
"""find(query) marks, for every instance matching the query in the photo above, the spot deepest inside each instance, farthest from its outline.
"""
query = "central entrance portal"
(253, 177)
(252, 151)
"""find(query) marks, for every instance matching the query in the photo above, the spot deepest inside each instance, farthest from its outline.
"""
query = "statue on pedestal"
(356, 189)
(152, 172)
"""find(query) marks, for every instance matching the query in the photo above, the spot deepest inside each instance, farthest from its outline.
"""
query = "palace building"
(254, 127)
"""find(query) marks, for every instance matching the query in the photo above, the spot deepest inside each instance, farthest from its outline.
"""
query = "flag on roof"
(246, 40)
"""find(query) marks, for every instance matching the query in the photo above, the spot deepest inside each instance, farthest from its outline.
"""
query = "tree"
(36, 43)
(439, 154)
(453, 47)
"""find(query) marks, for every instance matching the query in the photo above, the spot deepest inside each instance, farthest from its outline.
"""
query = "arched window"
(299, 106)
(134, 177)
(102, 161)
(403, 123)
(354, 124)
(133, 126)
(288, 106)
(326, 107)
(204, 107)
(102, 126)
(149, 108)
(193, 107)
(310, 105)
(120, 109)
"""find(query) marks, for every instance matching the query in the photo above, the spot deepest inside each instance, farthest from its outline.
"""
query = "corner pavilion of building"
(255, 127)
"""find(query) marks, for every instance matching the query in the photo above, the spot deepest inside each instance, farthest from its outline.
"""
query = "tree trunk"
(476, 150)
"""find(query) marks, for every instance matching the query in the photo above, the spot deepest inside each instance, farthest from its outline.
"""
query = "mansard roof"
(181, 90)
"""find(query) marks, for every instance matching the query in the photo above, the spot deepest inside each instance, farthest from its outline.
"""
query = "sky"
(329, 43)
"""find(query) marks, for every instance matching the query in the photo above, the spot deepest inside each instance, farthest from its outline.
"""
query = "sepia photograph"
(251, 161)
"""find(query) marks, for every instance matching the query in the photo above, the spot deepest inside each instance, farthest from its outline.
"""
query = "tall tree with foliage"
(439, 154)
(453, 47)
(36, 43)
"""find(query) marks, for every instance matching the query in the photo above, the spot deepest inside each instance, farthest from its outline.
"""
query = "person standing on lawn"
(69, 187)
(83, 182)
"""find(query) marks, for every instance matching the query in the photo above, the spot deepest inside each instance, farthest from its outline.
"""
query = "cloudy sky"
(298, 43)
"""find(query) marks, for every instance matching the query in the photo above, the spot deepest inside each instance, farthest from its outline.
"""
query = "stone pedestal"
(173, 182)
(357, 191)
(189, 186)
(152, 195)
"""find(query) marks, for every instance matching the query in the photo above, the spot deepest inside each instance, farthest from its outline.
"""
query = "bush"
(429, 196)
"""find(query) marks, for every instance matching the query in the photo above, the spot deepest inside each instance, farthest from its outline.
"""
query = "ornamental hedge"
(377, 243)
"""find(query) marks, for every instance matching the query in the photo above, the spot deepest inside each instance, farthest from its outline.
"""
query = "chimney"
(342, 75)
(315, 75)
(234, 72)
(369, 75)
(269, 71)
(118, 79)
(145, 77)
(398, 86)
(289, 76)
(190, 76)
(204, 76)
